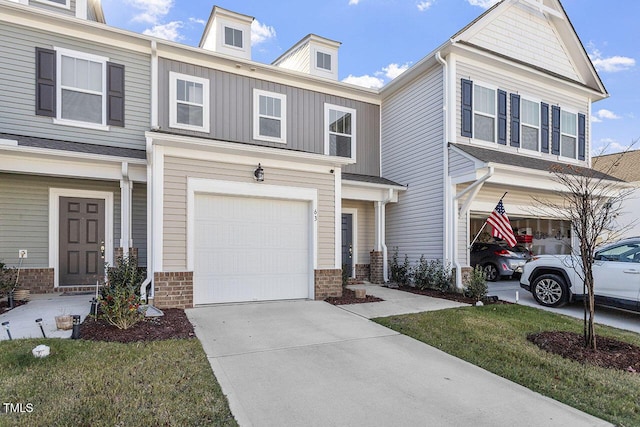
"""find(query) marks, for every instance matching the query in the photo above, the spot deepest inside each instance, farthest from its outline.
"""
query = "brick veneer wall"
(377, 267)
(118, 252)
(173, 289)
(362, 272)
(328, 283)
(37, 280)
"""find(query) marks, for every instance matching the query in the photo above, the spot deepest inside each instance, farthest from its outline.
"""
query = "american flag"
(501, 225)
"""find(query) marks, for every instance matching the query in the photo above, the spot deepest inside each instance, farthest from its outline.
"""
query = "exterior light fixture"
(259, 173)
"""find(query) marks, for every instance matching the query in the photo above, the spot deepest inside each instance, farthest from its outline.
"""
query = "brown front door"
(81, 241)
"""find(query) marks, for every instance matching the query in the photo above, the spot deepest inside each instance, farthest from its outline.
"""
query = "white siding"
(528, 36)
(413, 153)
(463, 240)
(297, 60)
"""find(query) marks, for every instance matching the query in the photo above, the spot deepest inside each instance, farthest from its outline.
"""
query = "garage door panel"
(248, 249)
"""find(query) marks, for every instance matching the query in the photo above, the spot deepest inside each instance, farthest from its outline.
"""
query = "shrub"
(120, 296)
(421, 274)
(399, 272)
(7, 279)
(440, 275)
(477, 286)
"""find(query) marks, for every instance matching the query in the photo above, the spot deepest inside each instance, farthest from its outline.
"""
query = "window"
(189, 98)
(269, 120)
(340, 131)
(530, 124)
(568, 134)
(484, 113)
(59, 3)
(233, 37)
(323, 61)
(628, 252)
(81, 87)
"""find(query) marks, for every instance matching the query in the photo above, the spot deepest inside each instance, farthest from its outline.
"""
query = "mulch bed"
(173, 325)
(610, 352)
(451, 296)
(4, 305)
(349, 297)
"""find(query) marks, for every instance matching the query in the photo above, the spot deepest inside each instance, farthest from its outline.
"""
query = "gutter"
(383, 238)
(149, 278)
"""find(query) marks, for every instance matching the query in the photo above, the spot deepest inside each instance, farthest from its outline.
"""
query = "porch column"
(378, 260)
(126, 191)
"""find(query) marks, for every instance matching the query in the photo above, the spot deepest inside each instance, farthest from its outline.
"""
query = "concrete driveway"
(309, 363)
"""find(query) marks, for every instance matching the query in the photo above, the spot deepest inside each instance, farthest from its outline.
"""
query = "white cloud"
(595, 119)
(198, 21)
(608, 145)
(424, 5)
(392, 71)
(169, 31)
(352, 2)
(261, 32)
(485, 4)
(365, 81)
(151, 10)
(611, 64)
(607, 114)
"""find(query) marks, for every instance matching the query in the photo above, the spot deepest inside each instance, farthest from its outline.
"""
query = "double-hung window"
(189, 102)
(568, 134)
(530, 124)
(484, 113)
(340, 131)
(269, 116)
(233, 37)
(81, 92)
(323, 61)
(66, 4)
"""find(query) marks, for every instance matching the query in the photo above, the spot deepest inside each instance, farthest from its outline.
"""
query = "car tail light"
(503, 252)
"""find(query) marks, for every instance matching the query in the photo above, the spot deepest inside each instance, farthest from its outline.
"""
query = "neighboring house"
(625, 167)
(488, 112)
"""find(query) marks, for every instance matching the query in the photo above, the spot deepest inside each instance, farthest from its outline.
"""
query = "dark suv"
(498, 259)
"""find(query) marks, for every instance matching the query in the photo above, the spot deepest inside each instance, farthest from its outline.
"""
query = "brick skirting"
(37, 280)
(328, 283)
(173, 289)
(363, 272)
(377, 267)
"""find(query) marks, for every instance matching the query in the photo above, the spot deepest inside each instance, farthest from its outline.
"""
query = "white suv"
(553, 279)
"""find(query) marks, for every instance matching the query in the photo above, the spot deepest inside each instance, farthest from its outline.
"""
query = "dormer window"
(59, 3)
(323, 61)
(233, 37)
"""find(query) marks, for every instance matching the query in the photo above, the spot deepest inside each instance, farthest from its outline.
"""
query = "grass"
(494, 338)
(86, 383)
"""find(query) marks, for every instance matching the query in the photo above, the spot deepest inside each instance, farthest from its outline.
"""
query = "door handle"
(102, 249)
(350, 250)
(632, 271)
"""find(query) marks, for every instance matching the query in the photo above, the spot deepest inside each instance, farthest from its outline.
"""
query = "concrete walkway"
(309, 363)
(46, 307)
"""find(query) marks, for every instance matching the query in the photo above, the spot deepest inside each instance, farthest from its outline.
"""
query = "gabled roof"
(621, 165)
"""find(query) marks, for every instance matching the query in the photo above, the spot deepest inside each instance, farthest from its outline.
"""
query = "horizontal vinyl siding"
(177, 170)
(366, 232)
(139, 222)
(231, 114)
(463, 240)
(24, 214)
(51, 8)
(413, 155)
(526, 88)
(17, 98)
(459, 164)
(298, 60)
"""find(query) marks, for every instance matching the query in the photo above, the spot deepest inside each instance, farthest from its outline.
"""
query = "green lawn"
(494, 338)
(86, 383)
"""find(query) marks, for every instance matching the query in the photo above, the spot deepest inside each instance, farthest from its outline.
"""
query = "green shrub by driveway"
(88, 383)
(494, 338)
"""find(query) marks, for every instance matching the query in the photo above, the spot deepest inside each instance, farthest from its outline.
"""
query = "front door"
(347, 243)
(81, 241)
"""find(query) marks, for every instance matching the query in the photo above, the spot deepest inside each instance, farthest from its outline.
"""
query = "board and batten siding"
(413, 154)
(17, 97)
(176, 172)
(231, 114)
(483, 73)
(24, 214)
(366, 232)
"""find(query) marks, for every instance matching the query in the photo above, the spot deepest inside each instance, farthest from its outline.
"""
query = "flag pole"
(485, 224)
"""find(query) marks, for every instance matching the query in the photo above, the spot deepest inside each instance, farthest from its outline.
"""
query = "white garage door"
(250, 249)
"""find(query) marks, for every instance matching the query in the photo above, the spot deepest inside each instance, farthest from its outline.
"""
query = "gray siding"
(413, 153)
(231, 114)
(459, 164)
(51, 8)
(17, 97)
(24, 214)
(139, 222)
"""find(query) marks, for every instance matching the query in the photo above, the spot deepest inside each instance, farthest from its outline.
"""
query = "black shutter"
(467, 108)
(544, 127)
(502, 117)
(515, 120)
(581, 136)
(45, 82)
(555, 130)
(115, 94)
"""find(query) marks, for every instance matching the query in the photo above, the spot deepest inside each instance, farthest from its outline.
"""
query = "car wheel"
(491, 272)
(550, 290)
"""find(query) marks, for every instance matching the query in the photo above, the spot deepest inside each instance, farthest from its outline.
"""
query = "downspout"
(383, 237)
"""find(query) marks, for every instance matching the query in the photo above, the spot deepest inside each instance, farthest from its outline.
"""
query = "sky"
(382, 38)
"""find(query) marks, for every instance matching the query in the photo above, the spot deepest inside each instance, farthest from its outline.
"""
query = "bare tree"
(590, 200)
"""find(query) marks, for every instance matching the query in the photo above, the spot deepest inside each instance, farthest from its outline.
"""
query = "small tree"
(590, 200)
(120, 296)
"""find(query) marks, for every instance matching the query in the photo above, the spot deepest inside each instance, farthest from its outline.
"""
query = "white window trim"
(575, 113)
(224, 38)
(173, 101)
(351, 111)
(315, 61)
(538, 127)
(256, 116)
(90, 57)
(67, 4)
(494, 116)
